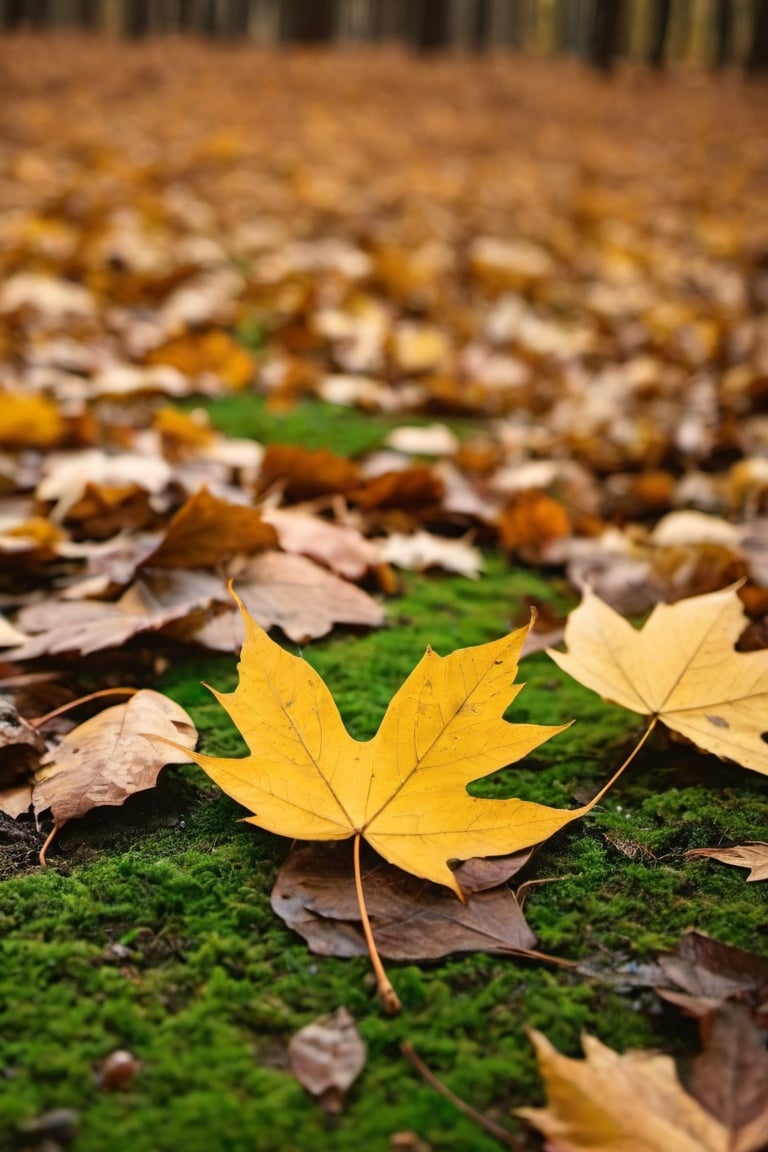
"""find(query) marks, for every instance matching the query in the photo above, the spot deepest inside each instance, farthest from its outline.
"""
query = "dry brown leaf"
(752, 855)
(412, 919)
(304, 474)
(155, 601)
(532, 521)
(296, 595)
(680, 668)
(109, 757)
(701, 974)
(327, 1056)
(213, 353)
(730, 1078)
(207, 530)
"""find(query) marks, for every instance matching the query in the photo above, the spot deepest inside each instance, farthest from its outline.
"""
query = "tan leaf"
(619, 1103)
(339, 547)
(109, 757)
(327, 1057)
(151, 603)
(293, 593)
(753, 855)
(680, 667)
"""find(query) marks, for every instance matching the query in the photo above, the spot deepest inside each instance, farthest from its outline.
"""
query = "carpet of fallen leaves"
(555, 287)
(581, 269)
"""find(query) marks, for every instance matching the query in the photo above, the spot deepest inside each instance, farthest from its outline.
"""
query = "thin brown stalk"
(48, 841)
(466, 1109)
(651, 725)
(38, 721)
(389, 997)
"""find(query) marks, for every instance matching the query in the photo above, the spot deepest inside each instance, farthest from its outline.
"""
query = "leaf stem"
(427, 1074)
(46, 845)
(389, 997)
(651, 725)
(38, 721)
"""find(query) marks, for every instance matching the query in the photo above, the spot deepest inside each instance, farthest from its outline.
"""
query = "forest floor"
(528, 267)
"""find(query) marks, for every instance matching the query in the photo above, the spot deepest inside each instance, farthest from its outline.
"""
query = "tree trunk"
(758, 51)
(606, 30)
(723, 48)
(659, 29)
(481, 25)
(306, 22)
(430, 24)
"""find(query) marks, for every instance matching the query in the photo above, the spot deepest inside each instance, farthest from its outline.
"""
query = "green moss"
(152, 928)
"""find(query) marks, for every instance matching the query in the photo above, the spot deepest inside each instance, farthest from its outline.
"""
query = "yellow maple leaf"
(619, 1103)
(681, 668)
(404, 791)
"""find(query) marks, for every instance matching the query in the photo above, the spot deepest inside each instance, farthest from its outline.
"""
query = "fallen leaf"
(206, 530)
(619, 1103)
(16, 801)
(730, 1078)
(421, 550)
(327, 1057)
(20, 743)
(404, 791)
(155, 601)
(753, 855)
(680, 668)
(305, 474)
(339, 547)
(29, 421)
(293, 594)
(423, 440)
(109, 757)
(701, 974)
(412, 919)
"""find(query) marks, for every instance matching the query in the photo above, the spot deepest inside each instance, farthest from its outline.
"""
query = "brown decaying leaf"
(327, 1056)
(293, 594)
(207, 530)
(109, 757)
(304, 474)
(730, 1077)
(412, 919)
(18, 739)
(153, 602)
(752, 855)
(701, 974)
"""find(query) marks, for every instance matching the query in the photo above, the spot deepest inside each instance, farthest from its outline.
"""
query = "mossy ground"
(151, 930)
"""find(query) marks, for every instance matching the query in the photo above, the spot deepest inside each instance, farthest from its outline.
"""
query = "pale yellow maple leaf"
(619, 1103)
(680, 667)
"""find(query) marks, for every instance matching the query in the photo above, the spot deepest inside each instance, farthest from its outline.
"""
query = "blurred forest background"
(713, 33)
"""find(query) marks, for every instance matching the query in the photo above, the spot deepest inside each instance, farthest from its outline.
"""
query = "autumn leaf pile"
(559, 306)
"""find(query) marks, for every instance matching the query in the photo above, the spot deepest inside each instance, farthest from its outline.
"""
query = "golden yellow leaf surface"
(681, 667)
(619, 1103)
(404, 791)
